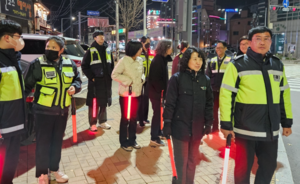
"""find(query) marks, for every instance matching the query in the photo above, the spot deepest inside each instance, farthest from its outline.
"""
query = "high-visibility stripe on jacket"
(216, 72)
(97, 60)
(255, 98)
(146, 63)
(54, 87)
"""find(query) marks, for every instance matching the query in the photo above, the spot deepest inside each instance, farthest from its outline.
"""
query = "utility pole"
(79, 26)
(117, 30)
(71, 23)
(189, 21)
(145, 22)
(176, 29)
(172, 25)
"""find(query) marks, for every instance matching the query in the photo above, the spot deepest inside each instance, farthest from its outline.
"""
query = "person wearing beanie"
(175, 66)
(97, 65)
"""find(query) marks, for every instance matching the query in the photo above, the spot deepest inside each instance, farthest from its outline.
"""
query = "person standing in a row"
(12, 99)
(158, 82)
(130, 75)
(97, 65)
(175, 66)
(188, 112)
(55, 79)
(144, 98)
(243, 45)
(215, 71)
(254, 100)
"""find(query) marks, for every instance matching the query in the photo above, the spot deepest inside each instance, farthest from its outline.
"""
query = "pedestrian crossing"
(294, 84)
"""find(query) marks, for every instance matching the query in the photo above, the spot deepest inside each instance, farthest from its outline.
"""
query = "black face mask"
(147, 45)
(51, 54)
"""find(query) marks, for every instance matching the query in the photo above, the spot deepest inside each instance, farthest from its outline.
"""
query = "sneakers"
(136, 146)
(43, 179)
(105, 126)
(157, 142)
(59, 176)
(93, 128)
(127, 148)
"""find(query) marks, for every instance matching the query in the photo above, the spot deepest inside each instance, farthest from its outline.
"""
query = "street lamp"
(61, 26)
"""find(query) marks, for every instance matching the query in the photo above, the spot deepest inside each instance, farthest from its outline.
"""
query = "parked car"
(35, 47)
(85, 47)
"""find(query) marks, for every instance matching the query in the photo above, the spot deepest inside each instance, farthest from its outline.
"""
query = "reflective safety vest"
(95, 56)
(54, 87)
(9, 84)
(215, 66)
(146, 64)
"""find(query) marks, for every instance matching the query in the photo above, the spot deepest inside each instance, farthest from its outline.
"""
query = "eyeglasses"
(219, 48)
(258, 40)
(19, 36)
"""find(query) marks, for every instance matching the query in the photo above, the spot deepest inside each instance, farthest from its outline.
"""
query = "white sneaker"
(59, 176)
(43, 179)
(105, 126)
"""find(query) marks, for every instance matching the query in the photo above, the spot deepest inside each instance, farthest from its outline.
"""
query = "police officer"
(12, 99)
(254, 101)
(144, 98)
(175, 65)
(55, 79)
(97, 65)
(215, 70)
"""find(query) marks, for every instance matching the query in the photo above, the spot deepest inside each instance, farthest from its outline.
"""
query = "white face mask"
(19, 45)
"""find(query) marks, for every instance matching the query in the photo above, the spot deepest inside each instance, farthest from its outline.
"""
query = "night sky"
(83, 5)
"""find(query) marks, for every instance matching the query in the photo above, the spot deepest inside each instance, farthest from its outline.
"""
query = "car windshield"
(73, 48)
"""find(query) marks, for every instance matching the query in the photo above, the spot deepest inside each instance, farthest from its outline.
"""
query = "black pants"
(143, 105)
(49, 138)
(186, 156)
(216, 111)
(126, 124)
(266, 152)
(101, 115)
(9, 158)
(155, 123)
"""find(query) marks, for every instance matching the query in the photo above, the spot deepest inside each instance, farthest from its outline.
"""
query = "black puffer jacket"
(158, 76)
(189, 104)
(101, 72)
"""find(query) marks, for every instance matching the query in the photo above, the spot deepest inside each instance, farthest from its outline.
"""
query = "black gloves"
(167, 131)
(206, 130)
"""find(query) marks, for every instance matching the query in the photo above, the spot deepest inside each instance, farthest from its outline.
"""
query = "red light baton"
(74, 120)
(172, 158)
(94, 104)
(129, 103)
(226, 159)
(162, 110)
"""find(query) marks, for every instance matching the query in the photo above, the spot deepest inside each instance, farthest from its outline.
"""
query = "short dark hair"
(97, 33)
(59, 40)
(223, 43)
(184, 44)
(259, 29)
(9, 27)
(245, 37)
(163, 46)
(132, 47)
(187, 56)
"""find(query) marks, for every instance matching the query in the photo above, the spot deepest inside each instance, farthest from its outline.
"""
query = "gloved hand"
(167, 131)
(206, 130)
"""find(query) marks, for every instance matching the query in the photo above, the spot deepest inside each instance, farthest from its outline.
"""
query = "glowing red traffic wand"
(129, 103)
(226, 159)
(74, 120)
(162, 110)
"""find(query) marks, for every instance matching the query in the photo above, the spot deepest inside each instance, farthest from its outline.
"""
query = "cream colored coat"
(129, 72)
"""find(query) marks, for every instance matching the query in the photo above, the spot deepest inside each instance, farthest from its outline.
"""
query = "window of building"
(249, 23)
(239, 23)
(235, 33)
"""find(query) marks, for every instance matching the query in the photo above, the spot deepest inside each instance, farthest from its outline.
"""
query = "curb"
(284, 174)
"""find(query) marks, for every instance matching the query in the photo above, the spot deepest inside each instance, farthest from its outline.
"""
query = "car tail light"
(152, 53)
(29, 99)
(77, 62)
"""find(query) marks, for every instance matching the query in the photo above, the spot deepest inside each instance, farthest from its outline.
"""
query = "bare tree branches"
(131, 12)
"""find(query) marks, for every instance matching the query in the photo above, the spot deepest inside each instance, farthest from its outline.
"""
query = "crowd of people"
(250, 90)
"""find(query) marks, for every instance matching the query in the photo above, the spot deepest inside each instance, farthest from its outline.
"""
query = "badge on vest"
(50, 74)
(203, 87)
(276, 78)
(226, 62)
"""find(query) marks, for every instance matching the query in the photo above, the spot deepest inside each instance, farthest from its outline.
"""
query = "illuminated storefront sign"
(22, 9)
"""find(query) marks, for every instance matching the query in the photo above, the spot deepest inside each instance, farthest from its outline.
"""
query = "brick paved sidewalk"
(97, 158)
